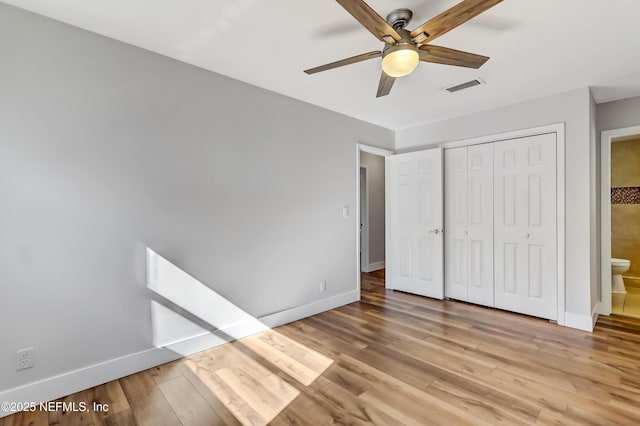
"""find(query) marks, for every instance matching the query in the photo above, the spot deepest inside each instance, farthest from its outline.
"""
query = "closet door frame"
(559, 130)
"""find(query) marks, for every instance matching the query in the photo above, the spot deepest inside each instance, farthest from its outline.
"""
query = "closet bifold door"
(525, 225)
(469, 224)
(455, 224)
(480, 224)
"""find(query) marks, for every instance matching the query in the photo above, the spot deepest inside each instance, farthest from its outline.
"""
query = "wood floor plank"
(419, 407)
(228, 396)
(122, 418)
(553, 418)
(311, 340)
(206, 392)
(348, 380)
(138, 386)
(189, 406)
(154, 410)
(558, 400)
(444, 358)
(397, 365)
(296, 369)
(28, 418)
(480, 406)
(303, 411)
(295, 350)
(262, 395)
(472, 385)
(318, 339)
(111, 397)
(148, 404)
(346, 408)
(166, 372)
(74, 416)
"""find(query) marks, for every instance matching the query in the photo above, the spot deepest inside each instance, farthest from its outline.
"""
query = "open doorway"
(621, 222)
(371, 215)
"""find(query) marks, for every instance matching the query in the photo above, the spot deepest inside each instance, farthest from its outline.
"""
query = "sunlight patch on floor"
(254, 393)
(293, 358)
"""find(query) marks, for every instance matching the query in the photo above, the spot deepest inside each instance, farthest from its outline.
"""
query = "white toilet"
(618, 267)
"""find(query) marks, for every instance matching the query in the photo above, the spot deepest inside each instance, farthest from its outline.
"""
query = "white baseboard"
(94, 375)
(581, 322)
(375, 266)
(299, 312)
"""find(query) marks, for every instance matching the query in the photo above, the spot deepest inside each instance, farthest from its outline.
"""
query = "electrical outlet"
(25, 358)
(323, 286)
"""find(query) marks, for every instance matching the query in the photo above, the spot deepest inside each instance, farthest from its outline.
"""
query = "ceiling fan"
(404, 49)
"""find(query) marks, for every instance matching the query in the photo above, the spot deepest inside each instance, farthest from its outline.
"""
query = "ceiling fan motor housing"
(399, 18)
(404, 43)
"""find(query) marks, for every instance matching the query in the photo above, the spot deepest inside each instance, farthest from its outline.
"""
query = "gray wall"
(106, 149)
(571, 108)
(375, 192)
(618, 114)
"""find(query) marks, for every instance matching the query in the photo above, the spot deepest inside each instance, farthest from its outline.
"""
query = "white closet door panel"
(415, 223)
(480, 224)
(525, 225)
(455, 236)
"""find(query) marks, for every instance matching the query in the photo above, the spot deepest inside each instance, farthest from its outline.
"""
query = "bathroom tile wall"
(625, 207)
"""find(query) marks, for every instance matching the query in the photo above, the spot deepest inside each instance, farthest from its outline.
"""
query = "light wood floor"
(391, 359)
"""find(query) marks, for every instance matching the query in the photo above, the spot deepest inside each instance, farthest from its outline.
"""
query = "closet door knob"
(526, 235)
(435, 231)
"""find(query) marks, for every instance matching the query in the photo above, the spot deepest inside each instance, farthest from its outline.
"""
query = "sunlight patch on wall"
(191, 298)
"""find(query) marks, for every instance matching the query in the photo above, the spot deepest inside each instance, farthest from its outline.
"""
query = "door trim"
(360, 147)
(364, 222)
(559, 130)
(606, 137)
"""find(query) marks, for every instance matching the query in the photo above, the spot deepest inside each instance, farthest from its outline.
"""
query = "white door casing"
(469, 224)
(364, 222)
(525, 225)
(415, 223)
(606, 139)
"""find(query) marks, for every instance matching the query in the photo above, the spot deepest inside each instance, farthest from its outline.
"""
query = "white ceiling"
(537, 48)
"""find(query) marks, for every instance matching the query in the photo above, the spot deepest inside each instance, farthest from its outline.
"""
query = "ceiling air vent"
(465, 85)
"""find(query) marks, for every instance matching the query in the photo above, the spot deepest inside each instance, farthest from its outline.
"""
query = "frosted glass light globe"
(400, 60)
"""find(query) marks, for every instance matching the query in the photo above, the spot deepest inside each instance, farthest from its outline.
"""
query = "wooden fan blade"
(446, 56)
(370, 19)
(385, 85)
(343, 62)
(451, 18)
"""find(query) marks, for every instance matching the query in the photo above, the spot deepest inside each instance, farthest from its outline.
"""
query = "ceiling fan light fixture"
(401, 54)
(400, 60)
